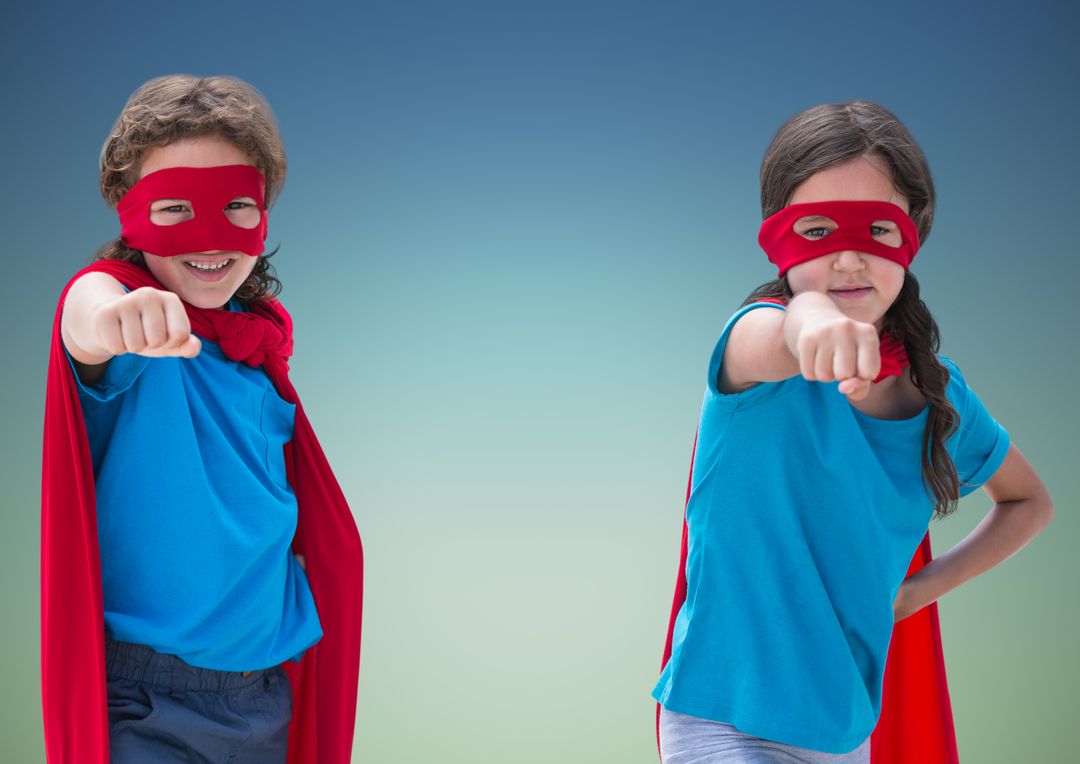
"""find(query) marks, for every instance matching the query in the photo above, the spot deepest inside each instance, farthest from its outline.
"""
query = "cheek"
(160, 268)
(893, 279)
(795, 281)
(805, 276)
(244, 266)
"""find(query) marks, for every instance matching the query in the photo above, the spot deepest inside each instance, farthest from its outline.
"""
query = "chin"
(207, 301)
(201, 296)
(859, 313)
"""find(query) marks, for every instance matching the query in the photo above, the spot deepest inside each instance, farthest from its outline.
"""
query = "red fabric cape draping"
(324, 682)
(916, 724)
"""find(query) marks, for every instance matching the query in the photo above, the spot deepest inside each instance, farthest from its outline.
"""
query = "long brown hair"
(831, 134)
(167, 109)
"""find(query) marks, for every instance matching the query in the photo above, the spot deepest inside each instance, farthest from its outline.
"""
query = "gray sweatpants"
(693, 740)
(166, 711)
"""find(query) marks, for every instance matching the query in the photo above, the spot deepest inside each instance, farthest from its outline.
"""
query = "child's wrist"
(917, 592)
(805, 309)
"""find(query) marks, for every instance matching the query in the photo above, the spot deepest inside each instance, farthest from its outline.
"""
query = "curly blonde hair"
(177, 106)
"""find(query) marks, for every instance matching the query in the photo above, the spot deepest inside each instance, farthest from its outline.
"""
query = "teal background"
(510, 235)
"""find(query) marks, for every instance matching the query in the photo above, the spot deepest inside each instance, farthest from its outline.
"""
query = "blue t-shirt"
(195, 515)
(804, 515)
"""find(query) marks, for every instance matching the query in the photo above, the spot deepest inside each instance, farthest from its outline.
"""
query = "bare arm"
(756, 352)
(76, 329)
(812, 337)
(1021, 511)
(100, 320)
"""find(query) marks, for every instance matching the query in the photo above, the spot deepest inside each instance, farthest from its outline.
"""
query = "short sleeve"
(980, 443)
(119, 376)
(756, 394)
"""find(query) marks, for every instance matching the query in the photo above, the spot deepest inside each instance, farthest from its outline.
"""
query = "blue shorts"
(164, 710)
(692, 740)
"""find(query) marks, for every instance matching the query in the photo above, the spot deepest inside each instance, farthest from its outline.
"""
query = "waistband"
(141, 663)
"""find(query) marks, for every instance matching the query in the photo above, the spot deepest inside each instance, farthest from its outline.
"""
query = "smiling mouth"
(209, 270)
(209, 267)
(851, 292)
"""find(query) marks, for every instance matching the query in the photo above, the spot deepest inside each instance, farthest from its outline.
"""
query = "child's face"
(878, 280)
(181, 274)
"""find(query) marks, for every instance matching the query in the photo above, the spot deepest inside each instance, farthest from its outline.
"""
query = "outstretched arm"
(1021, 511)
(101, 320)
(812, 337)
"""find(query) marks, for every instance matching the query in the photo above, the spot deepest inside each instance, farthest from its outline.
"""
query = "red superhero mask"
(209, 190)
(852, 223)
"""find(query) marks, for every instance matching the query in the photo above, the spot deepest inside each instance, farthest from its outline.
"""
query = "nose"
(848, 260)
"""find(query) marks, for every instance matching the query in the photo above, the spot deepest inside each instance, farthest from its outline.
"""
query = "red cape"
(324, 682)
(915, 726)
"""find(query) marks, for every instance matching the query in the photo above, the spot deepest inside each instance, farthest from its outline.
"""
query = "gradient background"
(510, 236)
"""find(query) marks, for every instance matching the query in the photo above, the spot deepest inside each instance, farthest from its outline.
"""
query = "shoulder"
(746, 320)
(951, 365)
(967, 402)
(749, 351)
(957, 386)
(956, 389)
(112, 273)
(749, 327)
(89, 281)
(749, 316)
(980, 442)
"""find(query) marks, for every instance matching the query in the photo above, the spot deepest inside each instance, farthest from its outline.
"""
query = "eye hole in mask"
(242, 212)
(816, 227)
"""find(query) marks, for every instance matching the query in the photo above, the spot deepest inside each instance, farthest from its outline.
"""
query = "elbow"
(1047, 513)
(1041, 510)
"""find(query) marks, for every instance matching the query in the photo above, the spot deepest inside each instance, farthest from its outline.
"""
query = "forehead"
(864, 178)
(200, 151)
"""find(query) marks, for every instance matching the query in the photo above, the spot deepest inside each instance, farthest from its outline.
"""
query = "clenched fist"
(101, 320)
(146, 321)
(829, 346)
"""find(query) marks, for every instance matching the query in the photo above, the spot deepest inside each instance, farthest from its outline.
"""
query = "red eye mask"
(209, 190)
(853, 220)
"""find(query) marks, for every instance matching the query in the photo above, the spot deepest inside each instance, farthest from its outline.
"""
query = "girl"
(830, 432)
(180, 472)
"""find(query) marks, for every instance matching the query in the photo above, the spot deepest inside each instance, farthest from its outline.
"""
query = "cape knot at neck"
(248, 337)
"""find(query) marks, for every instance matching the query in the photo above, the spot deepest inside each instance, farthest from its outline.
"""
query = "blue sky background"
(510, 235)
